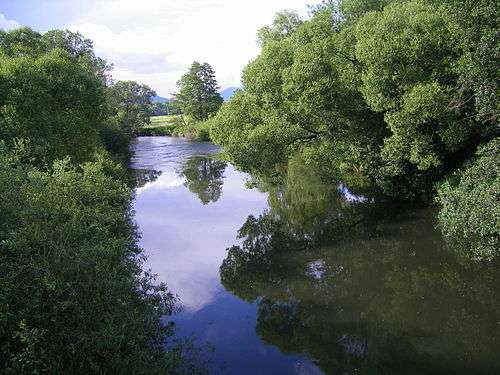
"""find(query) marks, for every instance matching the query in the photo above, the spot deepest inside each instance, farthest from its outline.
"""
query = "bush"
(470, 213)
(73, 298)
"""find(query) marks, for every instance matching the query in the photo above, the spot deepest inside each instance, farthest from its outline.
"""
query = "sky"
(155, 41)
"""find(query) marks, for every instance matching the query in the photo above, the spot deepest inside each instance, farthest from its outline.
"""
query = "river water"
(308, 278)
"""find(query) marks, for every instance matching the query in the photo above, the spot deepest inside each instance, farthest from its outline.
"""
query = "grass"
(160, 125)
(175, 125)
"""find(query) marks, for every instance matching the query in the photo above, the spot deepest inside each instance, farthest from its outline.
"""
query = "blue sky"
(154, 41)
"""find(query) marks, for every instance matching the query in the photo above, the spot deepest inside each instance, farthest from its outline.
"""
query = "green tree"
(470, 214)
(130, 104)
(284, 24)
(74, 296)
(53, 102)
(198, 96)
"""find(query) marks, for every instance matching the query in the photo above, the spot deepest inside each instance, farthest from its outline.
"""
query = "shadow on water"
(363, 287)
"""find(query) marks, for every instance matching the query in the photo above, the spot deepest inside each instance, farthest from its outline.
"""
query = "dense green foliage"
(37, 104)
(198, 96)
(384, 93)
(164, 109)
(470, 216)
(73, 296)
(130, 104)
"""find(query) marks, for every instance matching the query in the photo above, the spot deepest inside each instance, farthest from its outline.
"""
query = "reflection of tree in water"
(387, 298)
(144, 176)
(204, 177)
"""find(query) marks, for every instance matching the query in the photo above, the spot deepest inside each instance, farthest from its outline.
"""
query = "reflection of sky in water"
(186, 243)
(185, 240)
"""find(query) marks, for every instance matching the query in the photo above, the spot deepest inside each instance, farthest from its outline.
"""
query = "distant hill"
(159, 99)
(228, 93)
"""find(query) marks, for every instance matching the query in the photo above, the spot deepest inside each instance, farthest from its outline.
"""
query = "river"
(307, 278)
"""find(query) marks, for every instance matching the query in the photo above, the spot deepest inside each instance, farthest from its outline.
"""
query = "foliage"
(26, 42)
(470, 217)
(37, 103)
(198, 96)
(130, 102)
(394, 93)
(388, 94)
(284, 24)
(74, 298)
(164, 109)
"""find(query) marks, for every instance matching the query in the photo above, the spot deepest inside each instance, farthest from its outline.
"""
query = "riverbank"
(176, 126)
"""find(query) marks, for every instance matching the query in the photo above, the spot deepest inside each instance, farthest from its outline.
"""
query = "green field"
(160, 125)
(162, 120)
(175, 126)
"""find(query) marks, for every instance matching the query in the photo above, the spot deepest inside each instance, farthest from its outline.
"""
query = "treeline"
(73, 296)
(396, 95)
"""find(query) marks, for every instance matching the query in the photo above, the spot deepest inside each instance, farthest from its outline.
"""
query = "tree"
(28, 43)
(52, 102)
(88, 306)
(130, 103)
(198, 96)
(284, 24)
(388, 93)
(470, 214)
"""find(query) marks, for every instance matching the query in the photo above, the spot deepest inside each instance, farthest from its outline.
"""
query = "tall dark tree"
(198, 94)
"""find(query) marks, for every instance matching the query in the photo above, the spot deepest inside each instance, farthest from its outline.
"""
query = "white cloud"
(155, 41)
(167, 180)
(6, 24)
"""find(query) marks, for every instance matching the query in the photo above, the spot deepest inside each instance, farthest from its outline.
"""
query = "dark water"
(308, 278)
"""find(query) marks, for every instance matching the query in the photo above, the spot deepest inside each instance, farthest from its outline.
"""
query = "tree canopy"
(73, 295)
(385, 93)
(130, 104)
(198, 94)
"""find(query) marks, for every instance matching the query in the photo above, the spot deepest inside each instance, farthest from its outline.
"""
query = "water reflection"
(360, 287)
(319, 276)
(185, 241)
(184, 238)
(204, 176)
(144, 176)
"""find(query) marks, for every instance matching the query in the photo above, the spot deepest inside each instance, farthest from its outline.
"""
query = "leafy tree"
(26, 42)
(130, 102)
(284, 24)
(52, 102)
(470, 214)
(198, 96)
(299, 96)
(74, 297)
(81, 48)
(21, 42)
(393, 94)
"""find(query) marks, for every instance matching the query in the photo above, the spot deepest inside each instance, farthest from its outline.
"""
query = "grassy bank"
(160, 125)
(177, 126)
